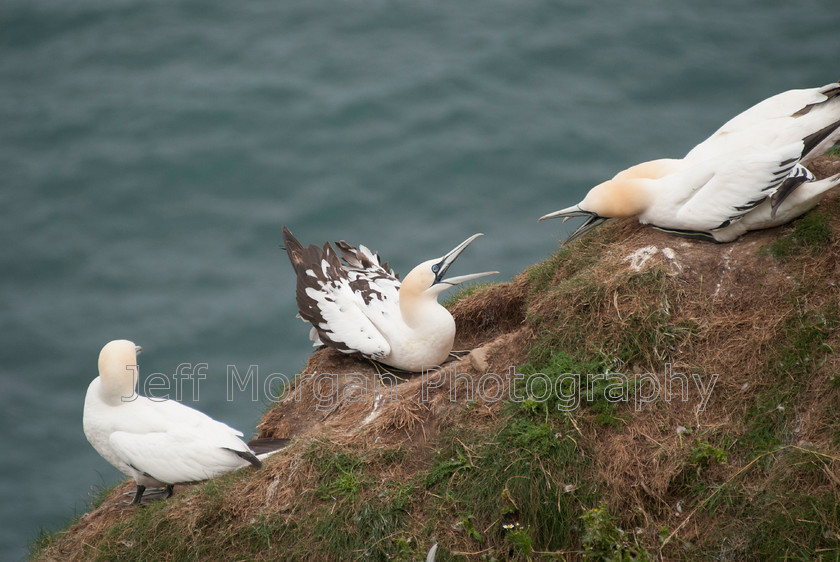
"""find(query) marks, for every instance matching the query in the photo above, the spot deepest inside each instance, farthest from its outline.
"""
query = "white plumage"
(748, 175)
(157, 442)
(361, 305)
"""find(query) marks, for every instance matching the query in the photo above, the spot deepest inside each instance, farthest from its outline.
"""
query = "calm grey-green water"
(151, 150)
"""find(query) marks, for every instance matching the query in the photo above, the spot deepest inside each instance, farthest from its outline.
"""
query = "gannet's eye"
(435, 268)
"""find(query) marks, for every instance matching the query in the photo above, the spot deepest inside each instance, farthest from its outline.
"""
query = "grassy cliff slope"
(710, 431)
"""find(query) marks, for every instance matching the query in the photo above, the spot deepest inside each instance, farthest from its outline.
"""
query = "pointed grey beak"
(591, 222)
(138, 349)
(447, 260)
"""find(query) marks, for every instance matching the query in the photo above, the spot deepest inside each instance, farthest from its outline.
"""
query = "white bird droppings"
(638, 258)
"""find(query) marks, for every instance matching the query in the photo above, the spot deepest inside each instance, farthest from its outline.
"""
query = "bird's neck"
(115, 390)
(422, 310)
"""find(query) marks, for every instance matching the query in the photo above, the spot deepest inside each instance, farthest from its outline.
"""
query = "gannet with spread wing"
(361, 305)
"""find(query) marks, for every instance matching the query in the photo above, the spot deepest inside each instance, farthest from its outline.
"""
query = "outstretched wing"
(344, 303)
(370, 278)
(738, 186)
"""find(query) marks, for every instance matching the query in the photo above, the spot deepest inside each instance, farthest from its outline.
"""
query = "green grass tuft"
(538, 483)
(600, 396)
(812, 233)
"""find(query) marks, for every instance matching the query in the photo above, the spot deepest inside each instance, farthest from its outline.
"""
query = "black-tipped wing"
(738, 186)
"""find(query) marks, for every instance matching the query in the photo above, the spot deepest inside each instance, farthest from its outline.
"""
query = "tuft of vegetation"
(603, 393)
(703, 454)
(811, 235)
(604, 541)
(535, 489)
(340, 473)
(619, 318)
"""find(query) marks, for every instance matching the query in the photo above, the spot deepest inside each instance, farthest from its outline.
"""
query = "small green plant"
(603, 394)
(603, 540)
(469, 527)
(443, 468)
(519, 538)
(664, 533)
(704, 454)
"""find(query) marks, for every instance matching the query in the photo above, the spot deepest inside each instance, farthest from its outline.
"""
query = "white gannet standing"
(155, 441)
(721, 188)
(362, 307)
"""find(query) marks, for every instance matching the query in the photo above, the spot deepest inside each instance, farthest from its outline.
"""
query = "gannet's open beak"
(138, 349)
(591, 222)
(447, 260)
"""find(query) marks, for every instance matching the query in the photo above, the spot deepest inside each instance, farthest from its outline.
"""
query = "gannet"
(736, 180)
(155, 441)
(712, 201)
(362, 307)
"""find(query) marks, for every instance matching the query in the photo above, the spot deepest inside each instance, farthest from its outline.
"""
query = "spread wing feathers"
(362, 260)
(344, 303)
(779, 120)
(738, 186)
(367, 276)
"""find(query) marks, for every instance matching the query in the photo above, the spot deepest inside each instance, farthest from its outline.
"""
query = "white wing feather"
(738, 186)
(774, 122)
(346, 319)
(174, 443)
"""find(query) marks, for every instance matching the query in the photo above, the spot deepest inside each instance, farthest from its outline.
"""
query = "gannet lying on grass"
(155, 441)
(738, 179)
(361, 306)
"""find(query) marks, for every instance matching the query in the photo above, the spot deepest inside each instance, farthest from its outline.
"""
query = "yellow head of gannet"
(118, 370)
(425, 282)
(614, 198)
